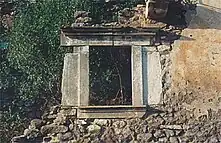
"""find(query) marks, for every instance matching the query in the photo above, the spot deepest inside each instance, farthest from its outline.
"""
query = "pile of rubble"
(135, 17)
(82, 18)
(172, 124)
(132, 17)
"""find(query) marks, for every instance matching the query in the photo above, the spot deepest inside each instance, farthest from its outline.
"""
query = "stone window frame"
(144, 56)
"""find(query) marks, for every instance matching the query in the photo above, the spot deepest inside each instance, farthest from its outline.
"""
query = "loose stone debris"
(174, 125)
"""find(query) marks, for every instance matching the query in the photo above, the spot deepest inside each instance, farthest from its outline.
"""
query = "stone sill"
(113, 106)
(120, 111)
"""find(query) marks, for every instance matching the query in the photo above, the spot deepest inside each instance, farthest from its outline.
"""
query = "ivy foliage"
(31, 67)
(34, 44)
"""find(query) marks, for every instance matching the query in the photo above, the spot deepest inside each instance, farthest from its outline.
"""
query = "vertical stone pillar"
(70, 79)
(154, 76)
(145, 74)
(137, 84)
(75, 78)
(84, 76)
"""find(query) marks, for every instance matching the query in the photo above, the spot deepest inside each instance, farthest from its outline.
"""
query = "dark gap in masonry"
(110, 81)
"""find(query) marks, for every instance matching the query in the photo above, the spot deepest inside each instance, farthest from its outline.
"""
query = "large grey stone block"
(71, 80)
(151, 76)
(137, 84)
(154, 78)
(84, 76)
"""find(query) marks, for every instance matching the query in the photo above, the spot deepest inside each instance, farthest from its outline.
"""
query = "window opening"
(110, 81)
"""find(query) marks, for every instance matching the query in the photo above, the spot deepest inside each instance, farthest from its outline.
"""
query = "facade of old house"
(161, 69)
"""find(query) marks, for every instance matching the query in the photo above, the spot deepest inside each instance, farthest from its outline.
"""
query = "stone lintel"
(105, 41)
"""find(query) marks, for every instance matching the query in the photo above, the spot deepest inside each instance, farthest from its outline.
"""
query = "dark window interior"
(110, 75)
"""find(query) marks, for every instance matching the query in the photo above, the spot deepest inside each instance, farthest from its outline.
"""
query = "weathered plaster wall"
(196, 60)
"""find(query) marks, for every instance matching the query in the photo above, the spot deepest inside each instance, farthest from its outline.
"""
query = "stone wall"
(196, 59)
